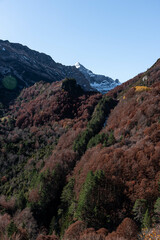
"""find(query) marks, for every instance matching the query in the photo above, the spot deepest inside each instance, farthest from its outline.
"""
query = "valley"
(66, 172)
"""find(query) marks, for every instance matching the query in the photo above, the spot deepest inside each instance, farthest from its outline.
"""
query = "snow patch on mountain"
(98, 82)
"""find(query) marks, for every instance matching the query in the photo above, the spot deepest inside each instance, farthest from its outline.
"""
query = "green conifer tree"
(139, 209)
(12, 228)
(146, 220)
(157, 210)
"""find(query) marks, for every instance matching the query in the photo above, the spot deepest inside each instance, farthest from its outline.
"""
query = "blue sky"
(118, 38)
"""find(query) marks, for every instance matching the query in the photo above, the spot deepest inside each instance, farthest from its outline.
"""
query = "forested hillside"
(82, 165)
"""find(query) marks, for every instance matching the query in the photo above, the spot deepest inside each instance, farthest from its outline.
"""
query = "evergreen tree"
(146, 220)
(92, 205)
(157, 210)
(12, 228)
(139, 209)
(111, 139)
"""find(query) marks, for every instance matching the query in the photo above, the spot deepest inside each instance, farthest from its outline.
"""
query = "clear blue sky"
(118, 38)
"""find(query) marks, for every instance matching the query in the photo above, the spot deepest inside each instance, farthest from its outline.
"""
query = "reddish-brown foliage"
(133, 161)
(131, 165)
(25, 219)
(47, 237)
(91, 234)
(126, 230)
(34, 195)
(4, 222)
(51, 103)
(63, 153)
(7, 204)
(74, 231)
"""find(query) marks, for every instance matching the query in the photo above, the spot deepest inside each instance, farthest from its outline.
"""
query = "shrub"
(74, 231)
(91, 234)
(142, 88)
(139, 209)
(47, 237)
(25, 220)
(127, 230)
(7, 204)
(4, 222)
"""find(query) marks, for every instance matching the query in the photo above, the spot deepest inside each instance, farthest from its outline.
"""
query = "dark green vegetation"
(72, 87)
(94, 205)
(94, 200)
(87, 137)
(75, 162)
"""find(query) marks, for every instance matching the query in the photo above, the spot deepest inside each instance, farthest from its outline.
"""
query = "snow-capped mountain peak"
(77, 65)
(99, 82)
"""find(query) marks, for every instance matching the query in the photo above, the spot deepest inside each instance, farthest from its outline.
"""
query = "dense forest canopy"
(81, 165)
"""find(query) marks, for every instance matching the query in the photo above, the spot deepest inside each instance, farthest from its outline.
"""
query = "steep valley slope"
(82, 165)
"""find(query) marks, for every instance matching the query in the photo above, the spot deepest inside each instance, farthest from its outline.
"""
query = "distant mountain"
(99, 82)
(21, 67)
(27, 66)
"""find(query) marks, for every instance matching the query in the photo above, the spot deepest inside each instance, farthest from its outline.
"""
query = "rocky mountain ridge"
(99, 82)
(26, 66)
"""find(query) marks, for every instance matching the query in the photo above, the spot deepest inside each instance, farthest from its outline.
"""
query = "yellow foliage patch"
(141, 88)
(152, 234)
(4, 118)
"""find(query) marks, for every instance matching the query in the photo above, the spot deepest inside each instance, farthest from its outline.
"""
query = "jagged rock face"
(28, 66)
(99, 82)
